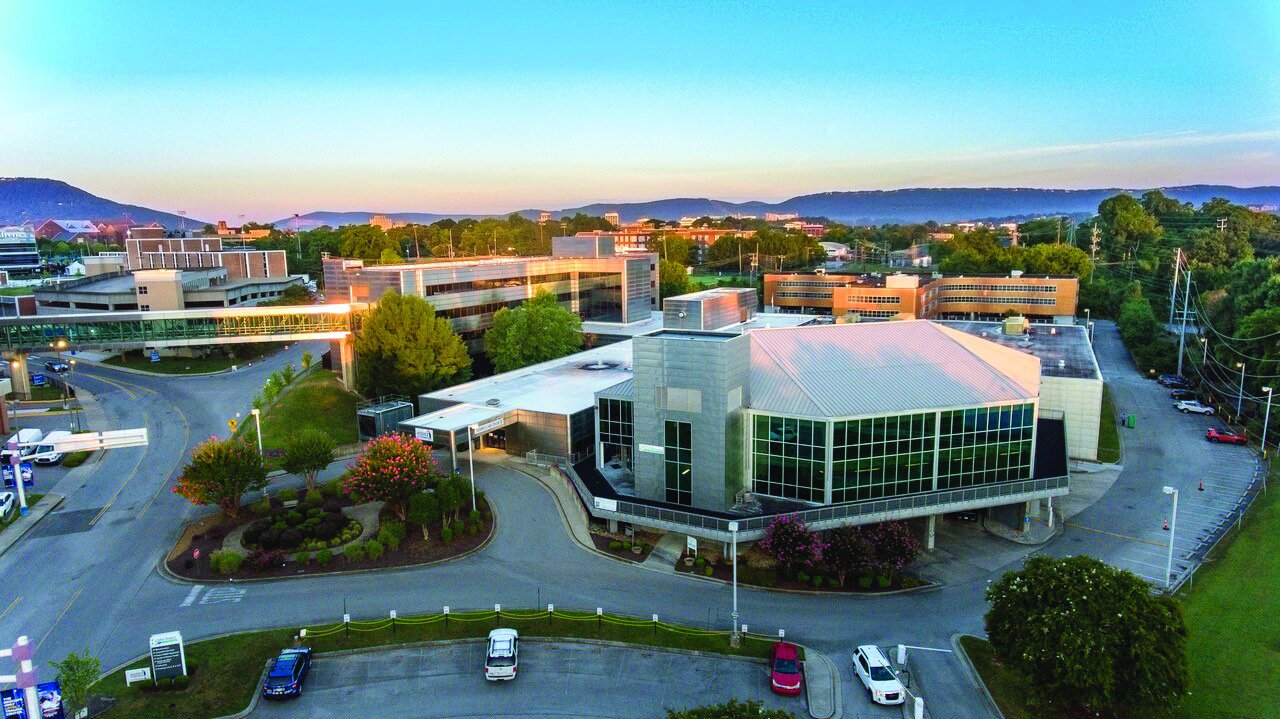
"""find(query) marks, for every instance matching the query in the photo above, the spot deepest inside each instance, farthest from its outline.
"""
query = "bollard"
(551, 611)
(393, 621)
(599, 619)
(902, 655)
(919, 708)
(655, 625)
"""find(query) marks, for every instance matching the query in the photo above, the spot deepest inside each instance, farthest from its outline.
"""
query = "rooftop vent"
(493, 402)
(1062, 364)
(599, 365)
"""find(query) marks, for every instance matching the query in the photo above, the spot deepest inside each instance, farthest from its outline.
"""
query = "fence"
(1234, 518)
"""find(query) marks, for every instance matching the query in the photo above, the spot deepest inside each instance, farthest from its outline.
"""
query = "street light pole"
(1266, 420)
(1204, 356)
(257, 424)
(471, 465)
(1173, 530)
(733, 529)
(1090, 333)
(1240, 395)
(15, 463)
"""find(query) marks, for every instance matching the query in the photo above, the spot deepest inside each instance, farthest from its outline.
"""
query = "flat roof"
(1064, 350)
(762, 320)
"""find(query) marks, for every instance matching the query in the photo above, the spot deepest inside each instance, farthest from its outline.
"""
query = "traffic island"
(224, 672)
(317, 532)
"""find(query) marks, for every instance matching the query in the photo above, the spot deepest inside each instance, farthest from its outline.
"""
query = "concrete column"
(20, 374)
(613, 525)
(1049, 502)
(347, 352)
(931, 531)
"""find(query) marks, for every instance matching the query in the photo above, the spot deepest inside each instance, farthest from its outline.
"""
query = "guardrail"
(1196, 557)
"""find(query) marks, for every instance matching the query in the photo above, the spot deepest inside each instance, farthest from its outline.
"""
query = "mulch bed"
(602, 537)
(413, 551)
(750, 577)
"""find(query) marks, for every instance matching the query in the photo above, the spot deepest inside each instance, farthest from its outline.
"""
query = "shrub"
(324, 556)
(474, 517)
(313, 498)
(803, 577)
(262, 506)
(374, 549)
(700, 562)
(226, 561)
(457, 527)
(268, 558)
(288, 494)
(473, 528)
(302, 557)
(708, 570)
(390, 534)
(817, 581)
(332, 488)
(615, 545)
(883, 581)
(354, 553)
(446, 535)
(864, 581)
(480, 501)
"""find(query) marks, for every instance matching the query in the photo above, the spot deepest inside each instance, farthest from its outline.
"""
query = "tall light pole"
(257, 424)
(1266, 420)
(15, 463)
(1204, 355)
(471, 465)
(1240, 395)
(733, 529)
(1173, 530)
(1090, 333)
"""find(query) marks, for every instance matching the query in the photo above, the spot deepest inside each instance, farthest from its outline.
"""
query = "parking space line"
(1114, 534)
(9, 608)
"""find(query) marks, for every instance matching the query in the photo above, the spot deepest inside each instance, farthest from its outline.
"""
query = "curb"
(58, 499)
(974, 676)
(253, 702)
(163, 570)
(145, 373)
(542, 640)
(837, 701)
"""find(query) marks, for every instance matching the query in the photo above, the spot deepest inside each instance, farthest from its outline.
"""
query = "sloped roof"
(76, 225)
(883, 367)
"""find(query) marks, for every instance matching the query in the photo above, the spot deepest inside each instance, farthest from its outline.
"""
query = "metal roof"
(1064, 350)
(882, 368)
(621, 390)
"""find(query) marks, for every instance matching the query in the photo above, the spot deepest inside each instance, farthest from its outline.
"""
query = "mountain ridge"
(36, 199)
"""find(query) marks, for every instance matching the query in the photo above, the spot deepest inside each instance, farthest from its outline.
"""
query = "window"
(790, 458)
(144, 308)
(679, 462)
(985, 445)
(142, 289)
(882, 457)
(616, 430)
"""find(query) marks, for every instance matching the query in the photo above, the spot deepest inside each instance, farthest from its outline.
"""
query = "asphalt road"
(87, 576)
(557, 680)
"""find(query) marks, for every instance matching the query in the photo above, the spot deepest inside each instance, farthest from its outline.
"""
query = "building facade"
(18, 252)
(198, 253)
(68, 231)
(583, 273)
(972, 297)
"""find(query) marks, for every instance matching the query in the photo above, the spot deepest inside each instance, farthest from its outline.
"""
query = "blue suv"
(288, 672)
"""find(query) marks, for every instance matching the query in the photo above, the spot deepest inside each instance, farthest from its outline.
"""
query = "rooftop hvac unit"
(377, 419)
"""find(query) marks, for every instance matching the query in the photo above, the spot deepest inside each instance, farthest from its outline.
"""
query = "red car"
(1216, 435)
(784, 669)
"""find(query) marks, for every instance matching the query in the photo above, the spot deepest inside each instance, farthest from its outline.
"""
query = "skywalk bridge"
(177, 328)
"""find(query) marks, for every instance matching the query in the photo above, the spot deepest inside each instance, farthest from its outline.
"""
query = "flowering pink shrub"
(790, 541)
(392, 469)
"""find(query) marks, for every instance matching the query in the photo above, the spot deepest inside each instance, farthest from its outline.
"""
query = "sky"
(264, 109)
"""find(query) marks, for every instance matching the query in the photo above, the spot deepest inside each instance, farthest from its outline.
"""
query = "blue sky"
(270, 108)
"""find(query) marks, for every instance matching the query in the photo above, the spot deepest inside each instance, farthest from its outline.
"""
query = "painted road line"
(9, 608)
(191, 596)
(186, 437)
(1118, 536)
(61, 614)
(146, 421)
(223, 595)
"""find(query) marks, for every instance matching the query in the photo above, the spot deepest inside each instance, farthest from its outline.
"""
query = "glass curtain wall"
(679, 462)
(790, 457)
(617, 432)
(985, 445)
(882, 457)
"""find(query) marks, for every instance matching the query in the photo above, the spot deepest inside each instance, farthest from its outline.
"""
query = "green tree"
(1088, 635)
(306, 453)
(1128, 225)
(404, 348)
(1052, 259)
(846, 552)
(390, 256)
(76, 674)
(673, 279)
(537, 331)
(221, 472)
(306, 360)
(393, 469)
(363, 241)
(733, 709)
(424, 510)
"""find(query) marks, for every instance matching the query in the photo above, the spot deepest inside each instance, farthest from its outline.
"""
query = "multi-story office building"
(583, 272)
(18, 253)
(636, 238)
(200, 253)
(961, 297)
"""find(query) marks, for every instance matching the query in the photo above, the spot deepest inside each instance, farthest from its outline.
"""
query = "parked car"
(784, 669)
(1173, 381)
(45, 452)
(288, 673)
(502, 658)
(1187, 406)
(1216, 435)
(8, 503)
(57, 366)
(1181, 394)
(873, 669)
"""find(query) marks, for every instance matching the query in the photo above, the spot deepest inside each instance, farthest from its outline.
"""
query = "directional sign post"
(168, 659)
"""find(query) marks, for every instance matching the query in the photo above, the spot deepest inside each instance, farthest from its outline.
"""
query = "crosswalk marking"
(191, 595)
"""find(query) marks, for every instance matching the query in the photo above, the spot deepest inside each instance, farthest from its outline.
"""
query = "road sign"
(25, 469)
(133, 676)
(155, 356)
(232, 424)
(167, 657)
(14, 704)
(49, 695)
(37, 379)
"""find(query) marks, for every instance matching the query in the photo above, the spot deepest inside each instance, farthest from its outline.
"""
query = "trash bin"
(1133, 421)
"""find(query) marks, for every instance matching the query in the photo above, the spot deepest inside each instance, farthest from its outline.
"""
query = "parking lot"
(555, 679)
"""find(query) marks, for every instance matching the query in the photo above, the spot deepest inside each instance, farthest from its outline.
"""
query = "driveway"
(564, 680)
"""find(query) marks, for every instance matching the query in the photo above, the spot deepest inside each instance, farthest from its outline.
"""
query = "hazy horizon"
(271, 110)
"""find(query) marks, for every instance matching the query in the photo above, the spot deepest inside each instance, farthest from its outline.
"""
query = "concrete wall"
(666, 364)
(159, 289)
(1080, 401)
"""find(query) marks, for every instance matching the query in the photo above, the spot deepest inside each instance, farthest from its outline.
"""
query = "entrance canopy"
(447, 427)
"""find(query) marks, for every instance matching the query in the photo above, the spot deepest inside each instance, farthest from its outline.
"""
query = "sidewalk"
(22, 525)
(566, 500)
(822, 685)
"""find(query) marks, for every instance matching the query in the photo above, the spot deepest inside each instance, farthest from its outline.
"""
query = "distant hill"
(34, 199)
(862, 206)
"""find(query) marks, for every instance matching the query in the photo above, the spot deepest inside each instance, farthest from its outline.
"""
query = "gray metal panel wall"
(716, 369)
(543, 431)
(640, 292)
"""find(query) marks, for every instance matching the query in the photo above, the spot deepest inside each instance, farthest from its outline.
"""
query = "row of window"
(972, 299)
(998, 288)
(811, 283)
(678, 461)
(876, 299)
(440, 288)
(804, 295)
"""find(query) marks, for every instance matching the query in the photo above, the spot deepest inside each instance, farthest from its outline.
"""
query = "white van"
(47, 448)
(30, 437)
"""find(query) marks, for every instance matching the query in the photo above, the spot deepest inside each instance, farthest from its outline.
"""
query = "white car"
(502, 657)
(873, 669)
(7, 504)
(1191, 405)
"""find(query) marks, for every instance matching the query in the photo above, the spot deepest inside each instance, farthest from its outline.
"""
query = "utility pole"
(1182, 335)
(1222, 224)
(1093, 253)
(1173, 293)
(1058, 240)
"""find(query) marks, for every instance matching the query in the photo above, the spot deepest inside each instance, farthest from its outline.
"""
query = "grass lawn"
(45, 393)
(317, 400)
(226, 670)
(13, 516)
(16, 291)
(1108, 429)
(1233, 614)
(1009, 688)
(216, 362)
(75, 459)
